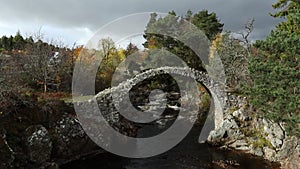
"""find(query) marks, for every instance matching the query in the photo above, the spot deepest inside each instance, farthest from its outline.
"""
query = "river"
(188, 154)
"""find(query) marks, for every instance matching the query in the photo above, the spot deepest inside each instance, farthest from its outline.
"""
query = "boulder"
(228, 132)
(293, 161)
(288, 148)
(241, 115)
(276, 143)
(230, 123)
(38, 144)
(70, 139)
(275, 134)
(216, 136)
(258, 151)
(269, 153)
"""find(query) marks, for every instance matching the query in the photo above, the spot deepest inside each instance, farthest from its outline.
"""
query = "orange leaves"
(151, 43)
(76, 52)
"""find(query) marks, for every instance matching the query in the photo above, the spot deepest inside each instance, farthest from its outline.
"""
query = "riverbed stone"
(50, 165)
(240, 145)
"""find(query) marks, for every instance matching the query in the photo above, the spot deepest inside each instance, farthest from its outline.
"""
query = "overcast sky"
(78, 20)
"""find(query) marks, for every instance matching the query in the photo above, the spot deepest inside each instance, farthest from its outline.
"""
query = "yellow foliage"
(215, 43)
(121, 54)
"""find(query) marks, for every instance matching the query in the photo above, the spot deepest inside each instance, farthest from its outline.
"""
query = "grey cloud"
(95, 13)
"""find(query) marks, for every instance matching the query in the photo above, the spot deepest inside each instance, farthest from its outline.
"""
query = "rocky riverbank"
(245, 131)
(45, 136)
(30, 145)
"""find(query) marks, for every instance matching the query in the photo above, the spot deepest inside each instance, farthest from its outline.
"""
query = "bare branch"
(248, 30)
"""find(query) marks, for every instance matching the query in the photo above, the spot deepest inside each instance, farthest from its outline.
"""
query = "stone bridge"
(104, 99)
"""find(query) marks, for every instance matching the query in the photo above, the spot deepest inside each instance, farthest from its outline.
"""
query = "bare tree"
(106, 45)
(246, 33)
(36, 63)
(44, 62)
(249, 26)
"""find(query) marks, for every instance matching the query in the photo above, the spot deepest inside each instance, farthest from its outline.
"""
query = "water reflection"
(188, 154)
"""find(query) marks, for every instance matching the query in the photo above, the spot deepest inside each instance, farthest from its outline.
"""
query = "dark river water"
(189, 154)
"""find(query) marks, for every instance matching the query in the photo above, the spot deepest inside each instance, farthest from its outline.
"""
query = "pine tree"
(208, 23)
(10, 43)
(275, 70)
(4, 41)
(130, 49)
(178, 26)
(286, 7)
(18, 41)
